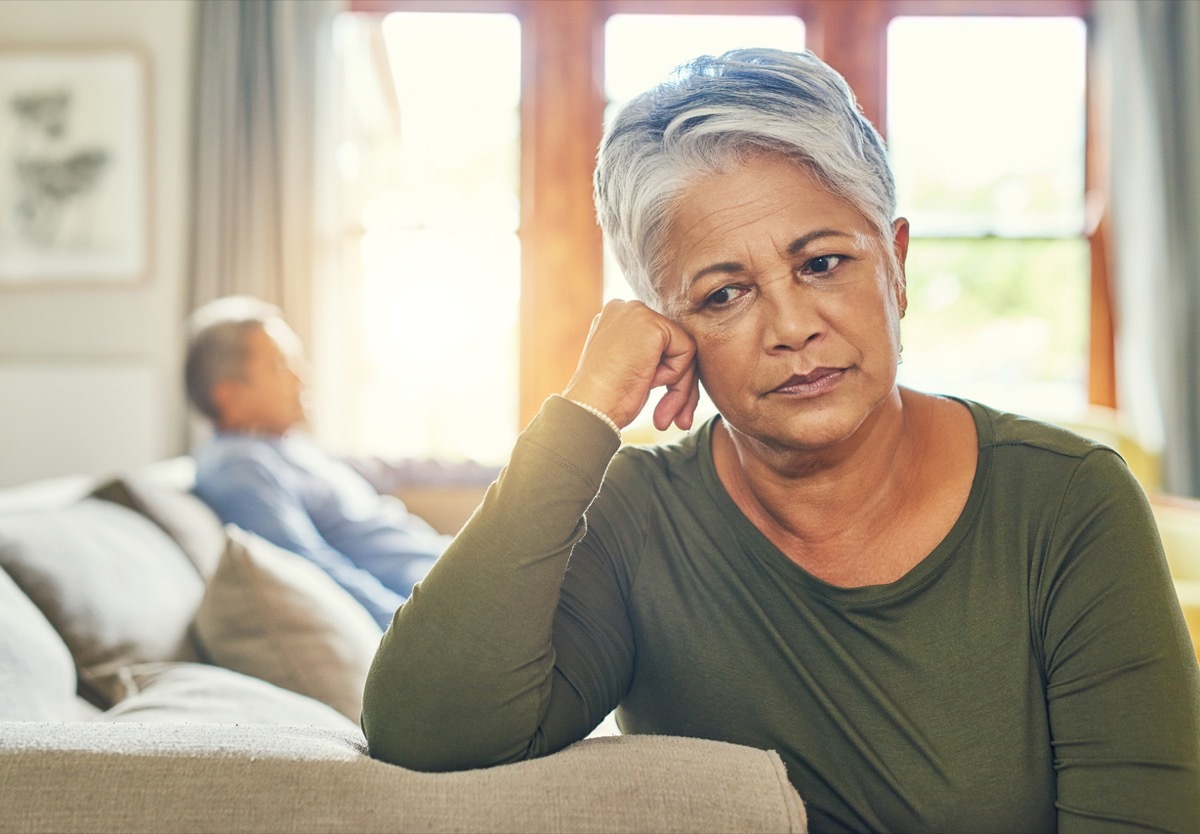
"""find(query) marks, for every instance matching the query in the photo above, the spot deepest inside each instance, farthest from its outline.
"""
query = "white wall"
(90, 375)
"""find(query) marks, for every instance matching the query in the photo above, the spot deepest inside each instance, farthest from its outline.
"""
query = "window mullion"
(856, 46)
(562, 112)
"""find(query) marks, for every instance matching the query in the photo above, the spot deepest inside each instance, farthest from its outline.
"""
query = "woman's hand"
(631, 350)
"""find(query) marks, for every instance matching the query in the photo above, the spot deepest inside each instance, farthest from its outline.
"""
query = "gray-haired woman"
(942, 616)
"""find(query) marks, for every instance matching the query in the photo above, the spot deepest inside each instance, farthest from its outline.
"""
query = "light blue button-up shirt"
(294, 494)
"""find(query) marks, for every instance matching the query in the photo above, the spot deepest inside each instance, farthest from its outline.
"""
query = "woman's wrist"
(597, 412)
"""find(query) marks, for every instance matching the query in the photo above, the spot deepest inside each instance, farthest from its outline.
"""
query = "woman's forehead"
(722, 212)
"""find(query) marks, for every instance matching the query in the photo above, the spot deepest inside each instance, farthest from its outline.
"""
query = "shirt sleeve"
(1122, 683)
(254, 497)
(476, 669)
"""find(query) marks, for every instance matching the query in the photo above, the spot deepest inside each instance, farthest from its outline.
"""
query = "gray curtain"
(262, 112)
(1149, 53)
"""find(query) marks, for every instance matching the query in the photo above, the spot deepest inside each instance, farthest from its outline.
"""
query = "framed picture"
(74, 163)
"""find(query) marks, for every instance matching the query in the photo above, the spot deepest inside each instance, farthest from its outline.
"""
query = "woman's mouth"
(811, 384)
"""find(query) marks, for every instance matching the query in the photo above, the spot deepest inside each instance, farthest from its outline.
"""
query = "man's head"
(244, 367)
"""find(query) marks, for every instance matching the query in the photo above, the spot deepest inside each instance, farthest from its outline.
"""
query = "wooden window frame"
(562, 111)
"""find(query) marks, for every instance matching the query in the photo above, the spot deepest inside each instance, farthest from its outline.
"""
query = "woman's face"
(791, 298)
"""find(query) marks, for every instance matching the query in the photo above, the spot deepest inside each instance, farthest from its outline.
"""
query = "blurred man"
(245, 373)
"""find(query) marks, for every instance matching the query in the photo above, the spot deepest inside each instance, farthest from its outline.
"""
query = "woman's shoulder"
(999, 428)
(1032, 460)
(650, 488)
(655, 476)
(679, 457)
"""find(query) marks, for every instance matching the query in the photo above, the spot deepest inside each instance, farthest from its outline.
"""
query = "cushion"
(114, 586)
(181, 515)
(205, 694)
(36, 669)
(272, 614)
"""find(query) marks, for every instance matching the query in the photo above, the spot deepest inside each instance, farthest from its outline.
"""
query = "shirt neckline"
(762, 547)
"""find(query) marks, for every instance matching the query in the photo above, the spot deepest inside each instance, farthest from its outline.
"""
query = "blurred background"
(411, 181)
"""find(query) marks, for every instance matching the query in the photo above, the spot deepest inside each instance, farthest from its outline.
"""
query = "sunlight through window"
(431, 164)
(989, 159)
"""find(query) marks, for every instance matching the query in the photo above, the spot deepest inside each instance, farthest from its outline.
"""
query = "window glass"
(1001, 321)
(986, 124)
(988, 153)
(430, 160)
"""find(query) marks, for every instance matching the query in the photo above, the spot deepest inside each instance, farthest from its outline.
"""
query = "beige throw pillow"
(272, 614)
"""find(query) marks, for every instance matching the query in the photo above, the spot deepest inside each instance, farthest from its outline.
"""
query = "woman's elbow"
(411, 730)
(430, 749)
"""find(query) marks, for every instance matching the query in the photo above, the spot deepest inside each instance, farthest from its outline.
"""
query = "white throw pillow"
(198, 693)
(37, 674)
(272, 614)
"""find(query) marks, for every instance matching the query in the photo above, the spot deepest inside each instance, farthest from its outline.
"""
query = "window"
(989, 160)
(473, 246)
(430, 162)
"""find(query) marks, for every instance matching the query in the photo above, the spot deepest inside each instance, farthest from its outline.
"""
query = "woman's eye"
(823, 264)
(723, 296)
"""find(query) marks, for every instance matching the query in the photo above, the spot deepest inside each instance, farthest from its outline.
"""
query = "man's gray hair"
(713, 112)
(217, 345)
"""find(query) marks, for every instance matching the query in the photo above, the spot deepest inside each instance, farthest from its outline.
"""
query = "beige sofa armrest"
(247, 778)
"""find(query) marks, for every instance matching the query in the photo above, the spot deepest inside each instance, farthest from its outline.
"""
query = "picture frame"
(74, 166)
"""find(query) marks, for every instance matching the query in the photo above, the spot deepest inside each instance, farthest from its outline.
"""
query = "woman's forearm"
(465, 675)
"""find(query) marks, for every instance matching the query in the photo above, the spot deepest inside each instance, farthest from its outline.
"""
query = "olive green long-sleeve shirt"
(1033, 672)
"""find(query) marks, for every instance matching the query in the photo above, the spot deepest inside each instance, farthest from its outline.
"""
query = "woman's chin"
(798, 426)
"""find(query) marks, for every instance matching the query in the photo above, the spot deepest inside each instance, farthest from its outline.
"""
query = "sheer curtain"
(262, 122)
(1150, 57)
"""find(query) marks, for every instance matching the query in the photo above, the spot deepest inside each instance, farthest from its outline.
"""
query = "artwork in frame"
(74, 157)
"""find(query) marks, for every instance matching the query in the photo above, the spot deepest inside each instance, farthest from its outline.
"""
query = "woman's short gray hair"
(715, 111)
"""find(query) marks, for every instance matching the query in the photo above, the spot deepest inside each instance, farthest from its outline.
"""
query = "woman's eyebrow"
(801, 243)
(725, 267)
(794, 248)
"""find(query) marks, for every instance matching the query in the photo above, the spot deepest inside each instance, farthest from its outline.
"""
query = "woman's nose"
(793, 319)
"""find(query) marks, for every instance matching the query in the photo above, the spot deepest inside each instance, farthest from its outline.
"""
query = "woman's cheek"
(725, 358)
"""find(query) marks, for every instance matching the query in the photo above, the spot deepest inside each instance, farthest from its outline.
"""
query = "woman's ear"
(900, 240)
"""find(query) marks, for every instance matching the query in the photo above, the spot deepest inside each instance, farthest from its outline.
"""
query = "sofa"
(160, 672)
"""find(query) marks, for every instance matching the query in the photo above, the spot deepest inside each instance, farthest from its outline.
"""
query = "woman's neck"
(817, 506)
(869, 510)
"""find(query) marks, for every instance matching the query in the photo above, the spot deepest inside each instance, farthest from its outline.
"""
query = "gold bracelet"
(612, 425)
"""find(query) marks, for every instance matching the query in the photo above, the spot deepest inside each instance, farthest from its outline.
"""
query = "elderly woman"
(943, 617)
